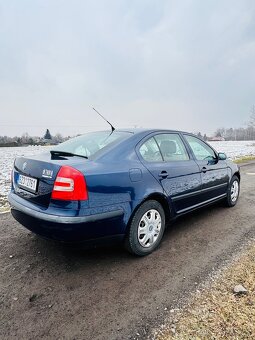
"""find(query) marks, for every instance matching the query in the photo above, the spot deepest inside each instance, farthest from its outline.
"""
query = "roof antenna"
(112, 127)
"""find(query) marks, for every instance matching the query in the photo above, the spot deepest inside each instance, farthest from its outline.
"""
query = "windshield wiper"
(65, 153)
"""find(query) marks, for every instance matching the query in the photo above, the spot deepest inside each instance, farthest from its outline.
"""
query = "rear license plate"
(27, 183)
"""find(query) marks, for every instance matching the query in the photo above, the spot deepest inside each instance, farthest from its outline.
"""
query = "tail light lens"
(70, 185)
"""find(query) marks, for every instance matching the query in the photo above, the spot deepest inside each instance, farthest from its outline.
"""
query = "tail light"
(70, 185)
(12, 176)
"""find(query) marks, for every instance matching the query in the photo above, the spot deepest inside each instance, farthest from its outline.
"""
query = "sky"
(187, 65)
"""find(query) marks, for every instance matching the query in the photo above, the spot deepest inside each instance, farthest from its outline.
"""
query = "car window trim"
(152, 135)
(174, 133)
(141, 143)
(159, 148)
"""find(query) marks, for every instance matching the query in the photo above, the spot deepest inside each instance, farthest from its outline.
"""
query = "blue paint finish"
(183, 177)
(117, 179)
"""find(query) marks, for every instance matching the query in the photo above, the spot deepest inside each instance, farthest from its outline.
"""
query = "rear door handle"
(163, 174)
(204, 169)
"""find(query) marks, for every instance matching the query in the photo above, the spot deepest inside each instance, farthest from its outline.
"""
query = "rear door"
(167, 158)
(214, 172)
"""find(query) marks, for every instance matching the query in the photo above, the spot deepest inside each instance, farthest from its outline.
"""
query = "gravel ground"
(54, 292)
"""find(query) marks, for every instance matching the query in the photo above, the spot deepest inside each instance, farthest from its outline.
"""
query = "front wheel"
(233, 191)
(146, 228)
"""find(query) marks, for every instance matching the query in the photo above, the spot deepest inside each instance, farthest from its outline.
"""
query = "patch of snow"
(234, 149)
(7, 157)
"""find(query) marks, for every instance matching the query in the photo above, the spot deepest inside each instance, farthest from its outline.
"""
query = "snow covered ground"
(233, 149)
(7, 157)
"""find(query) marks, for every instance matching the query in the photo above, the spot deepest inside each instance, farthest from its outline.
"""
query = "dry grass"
(244, 159)
(216, 312)
(4, 205)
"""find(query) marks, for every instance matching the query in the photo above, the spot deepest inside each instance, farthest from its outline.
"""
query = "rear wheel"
(146, 228)
(233, 191)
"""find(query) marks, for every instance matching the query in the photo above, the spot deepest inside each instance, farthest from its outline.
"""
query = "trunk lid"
(34, 177)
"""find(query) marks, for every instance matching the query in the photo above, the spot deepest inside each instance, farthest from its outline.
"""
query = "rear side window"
(150, 151)
(172, 148)
(201, 150)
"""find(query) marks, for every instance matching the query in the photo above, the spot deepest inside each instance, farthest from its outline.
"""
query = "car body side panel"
(215, 174)
(110, 184)
(183, 183)
(215, 178)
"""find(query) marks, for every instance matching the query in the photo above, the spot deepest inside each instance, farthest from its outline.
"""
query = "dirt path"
(49, 291)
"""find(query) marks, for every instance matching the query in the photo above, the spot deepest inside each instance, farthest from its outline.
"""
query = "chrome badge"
(47, 173)
(24, 166)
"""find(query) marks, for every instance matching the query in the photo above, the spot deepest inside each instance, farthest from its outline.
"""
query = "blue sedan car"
(119, 186)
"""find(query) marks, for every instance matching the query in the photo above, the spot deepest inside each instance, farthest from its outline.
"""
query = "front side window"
(150, 151)
(172, 148)
(201, 150)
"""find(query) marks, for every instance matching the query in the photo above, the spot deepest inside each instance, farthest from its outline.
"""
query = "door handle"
(163, 174)
(204, 169)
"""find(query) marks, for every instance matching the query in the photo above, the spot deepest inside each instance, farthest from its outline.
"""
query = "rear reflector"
(70, 185)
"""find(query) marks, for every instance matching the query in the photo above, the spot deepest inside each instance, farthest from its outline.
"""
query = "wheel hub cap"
(149, 228)
(234, 191)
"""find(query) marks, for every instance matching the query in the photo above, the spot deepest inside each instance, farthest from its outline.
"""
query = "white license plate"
(27, 183)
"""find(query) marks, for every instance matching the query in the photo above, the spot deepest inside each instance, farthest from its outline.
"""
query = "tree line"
(242, 133)
(26, 139)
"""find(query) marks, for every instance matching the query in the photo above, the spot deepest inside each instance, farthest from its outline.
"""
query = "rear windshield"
(90, 143)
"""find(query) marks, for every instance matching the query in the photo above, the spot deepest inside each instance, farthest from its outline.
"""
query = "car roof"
(149, 130)
(136, 135)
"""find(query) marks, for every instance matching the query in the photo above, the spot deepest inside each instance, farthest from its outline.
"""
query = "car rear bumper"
(66, 228)
(61, 219)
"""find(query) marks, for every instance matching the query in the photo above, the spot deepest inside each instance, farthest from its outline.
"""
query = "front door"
(214, 172)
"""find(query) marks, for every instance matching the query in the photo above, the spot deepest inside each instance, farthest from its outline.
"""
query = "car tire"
(146, 229)
(233, 192)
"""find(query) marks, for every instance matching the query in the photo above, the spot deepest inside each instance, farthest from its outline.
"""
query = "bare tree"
(252, 117)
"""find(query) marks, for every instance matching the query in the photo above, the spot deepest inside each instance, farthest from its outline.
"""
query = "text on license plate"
(27, 183)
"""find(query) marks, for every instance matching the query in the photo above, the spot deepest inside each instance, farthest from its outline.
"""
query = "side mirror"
(222, 156)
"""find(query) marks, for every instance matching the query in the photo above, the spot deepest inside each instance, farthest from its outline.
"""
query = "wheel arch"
(237, 174)
(162, 199)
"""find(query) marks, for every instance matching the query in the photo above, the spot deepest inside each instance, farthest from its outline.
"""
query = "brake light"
(70, 185)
